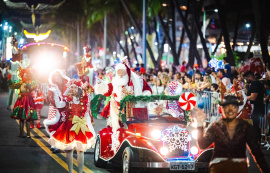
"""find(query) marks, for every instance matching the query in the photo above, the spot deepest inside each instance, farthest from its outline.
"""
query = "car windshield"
(155, 111)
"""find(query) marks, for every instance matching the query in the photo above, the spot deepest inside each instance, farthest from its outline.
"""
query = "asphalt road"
(33, 155)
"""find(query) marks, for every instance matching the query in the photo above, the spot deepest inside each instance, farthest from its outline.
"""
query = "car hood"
(147, 127)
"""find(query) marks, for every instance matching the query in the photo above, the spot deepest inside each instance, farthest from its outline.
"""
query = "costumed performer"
(230, 137)
(124, 83)
(85, 67)
(38, 97)
(76, 131)
(59, 83)
(24, 108)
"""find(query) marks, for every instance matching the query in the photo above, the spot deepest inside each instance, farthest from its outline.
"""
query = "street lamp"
(216, 10)
(247, 25)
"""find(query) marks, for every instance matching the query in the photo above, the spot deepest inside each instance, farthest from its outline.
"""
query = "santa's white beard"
(118, 84)
(120, 81)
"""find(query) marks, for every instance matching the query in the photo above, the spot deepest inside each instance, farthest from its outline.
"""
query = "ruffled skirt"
(64, 139)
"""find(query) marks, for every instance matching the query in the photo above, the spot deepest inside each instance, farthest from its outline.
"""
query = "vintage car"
(152, 137)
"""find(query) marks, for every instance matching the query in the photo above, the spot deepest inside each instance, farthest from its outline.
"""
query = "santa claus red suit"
(124, 83)
(59, 83)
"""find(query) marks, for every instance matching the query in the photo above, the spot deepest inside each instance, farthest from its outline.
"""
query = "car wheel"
(97, 160)
(127, 158)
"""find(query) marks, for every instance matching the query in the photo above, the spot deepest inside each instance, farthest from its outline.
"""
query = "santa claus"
(124, 83)
(59, 83)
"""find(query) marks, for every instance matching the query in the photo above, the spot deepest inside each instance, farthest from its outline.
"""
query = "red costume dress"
(76, 131)
(24, 108)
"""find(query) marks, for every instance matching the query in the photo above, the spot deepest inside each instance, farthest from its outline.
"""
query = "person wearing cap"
(230, 136)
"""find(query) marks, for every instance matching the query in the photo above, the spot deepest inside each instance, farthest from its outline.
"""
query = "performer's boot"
(69, 155)
(32, 125)
(38, 125)
(28, 128)
(80, 159)
(21, 128)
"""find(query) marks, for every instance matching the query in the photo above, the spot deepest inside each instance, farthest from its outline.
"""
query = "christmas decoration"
(255, 65)
(176, 138)
(187, 101)
(37, 37)
(217, 64)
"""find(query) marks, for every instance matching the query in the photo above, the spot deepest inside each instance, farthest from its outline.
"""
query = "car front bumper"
(198, 165)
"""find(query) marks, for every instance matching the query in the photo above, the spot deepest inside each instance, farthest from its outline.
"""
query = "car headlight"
(194, 150)
(156, 134)
(164, 150)
(194, 134)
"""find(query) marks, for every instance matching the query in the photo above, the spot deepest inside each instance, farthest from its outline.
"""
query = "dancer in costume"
(24, 108)
(85, 67)
(76, 132)
(14, 62)
(59, 83)
(124, 83)
(230, 137)
(39, 102)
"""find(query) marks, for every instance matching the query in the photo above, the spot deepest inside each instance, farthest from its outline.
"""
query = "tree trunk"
(135, 23)
(175, 57)
(168, 38)
(121, 47)
(182, 36)
(192, 42)
(236, 29)
(133, 46)
(196, 18)
(218, 42)
(126, 47)
(250, 43)
(222, 18)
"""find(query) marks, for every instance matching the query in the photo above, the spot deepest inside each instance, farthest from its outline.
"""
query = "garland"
(134, 99)
(14, 85)
(95, 104)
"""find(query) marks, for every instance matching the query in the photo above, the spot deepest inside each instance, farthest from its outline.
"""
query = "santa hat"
(124, 67)
(76, 82)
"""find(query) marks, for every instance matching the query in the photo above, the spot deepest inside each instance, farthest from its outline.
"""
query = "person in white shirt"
(158, 88)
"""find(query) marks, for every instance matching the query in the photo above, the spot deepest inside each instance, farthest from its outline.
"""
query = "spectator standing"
(183, 67)
(227, 67)
(255, 95)
(142, 70)
(225, 80)
(158, 88)
(209, 72)
(137, 68)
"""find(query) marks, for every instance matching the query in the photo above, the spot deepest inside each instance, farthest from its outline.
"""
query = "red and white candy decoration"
(187, 101)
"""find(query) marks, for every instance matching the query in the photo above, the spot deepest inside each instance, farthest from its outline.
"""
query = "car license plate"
(182, 166)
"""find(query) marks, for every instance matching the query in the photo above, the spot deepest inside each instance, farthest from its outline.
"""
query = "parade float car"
(151, 138)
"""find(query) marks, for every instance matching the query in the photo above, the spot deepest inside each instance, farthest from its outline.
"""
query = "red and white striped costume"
(39, 102)
(57, 106)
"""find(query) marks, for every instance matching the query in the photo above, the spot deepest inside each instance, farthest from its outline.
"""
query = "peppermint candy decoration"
(187, 101)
